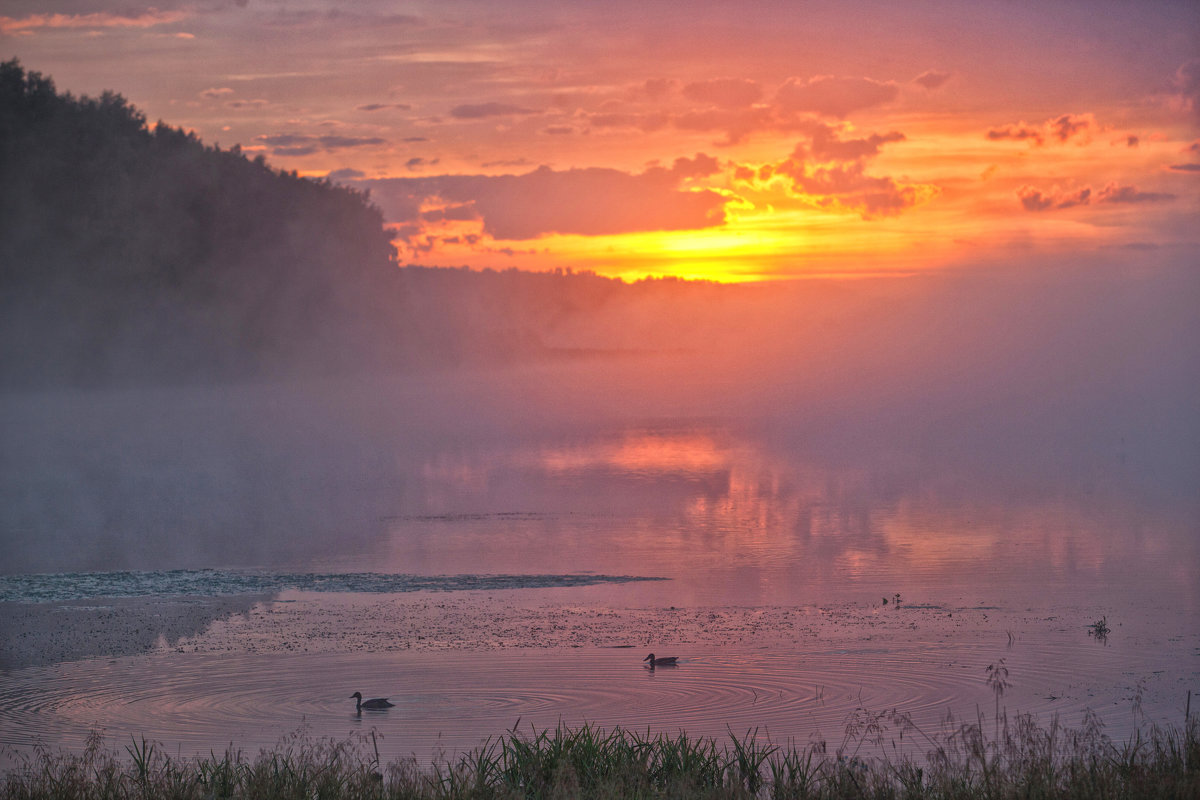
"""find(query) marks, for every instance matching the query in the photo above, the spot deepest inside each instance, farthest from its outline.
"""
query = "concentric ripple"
(453, 701)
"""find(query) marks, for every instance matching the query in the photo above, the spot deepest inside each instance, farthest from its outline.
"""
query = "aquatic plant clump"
(1026, 760)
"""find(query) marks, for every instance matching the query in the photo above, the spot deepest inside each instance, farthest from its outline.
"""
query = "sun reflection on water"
(733, 517)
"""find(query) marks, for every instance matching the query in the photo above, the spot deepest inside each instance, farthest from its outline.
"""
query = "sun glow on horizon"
(638, 146)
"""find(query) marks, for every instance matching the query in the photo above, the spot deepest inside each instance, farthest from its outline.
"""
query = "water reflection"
(382, 477)
(733, 519)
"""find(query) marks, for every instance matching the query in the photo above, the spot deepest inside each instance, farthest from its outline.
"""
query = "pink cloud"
(589, 202)
(724, 92)
(932, 79)
(657, 88)
(736, 124)
(833, 96)
(484, 110)
(1018, 132)
(827, 146)
(731, 106)
(634, 120)
(36, 22)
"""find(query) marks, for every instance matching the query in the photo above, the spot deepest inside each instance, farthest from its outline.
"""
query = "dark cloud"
(724, 92)
(1185, 167)
(484, 110)
(291, 144)
(830, 172)
(589, 202)
(833, 96)
(1132, 141)
(404, 233)
(1018, 132)
(304, 18)
(701, 166)
(826, 146)
(382, 106)
(1187, 84)
(460, 213)
(1113, 193)
(1062, 128)
(1033, 199)
(848, 186)
(1036, 200)
(634, 120)
(416, 162)
(1070, 125)
(558, 130)
(345, 175)
(338, 142)
(931, 79)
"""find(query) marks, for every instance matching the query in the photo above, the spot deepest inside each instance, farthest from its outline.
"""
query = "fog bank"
(1065, 375)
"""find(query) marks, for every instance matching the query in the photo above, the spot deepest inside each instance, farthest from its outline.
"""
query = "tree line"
(131, 252)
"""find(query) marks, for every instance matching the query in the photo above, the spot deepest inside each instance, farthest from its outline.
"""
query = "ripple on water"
(194, 703)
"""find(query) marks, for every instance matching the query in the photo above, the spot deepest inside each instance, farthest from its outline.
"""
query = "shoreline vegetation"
(999, 758)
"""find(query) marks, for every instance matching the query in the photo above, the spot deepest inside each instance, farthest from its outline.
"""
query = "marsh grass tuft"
(882, 755)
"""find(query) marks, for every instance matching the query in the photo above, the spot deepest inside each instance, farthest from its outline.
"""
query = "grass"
(1100, 629)
(1024, 759)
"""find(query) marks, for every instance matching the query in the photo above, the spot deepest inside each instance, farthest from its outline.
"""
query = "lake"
(489, 579)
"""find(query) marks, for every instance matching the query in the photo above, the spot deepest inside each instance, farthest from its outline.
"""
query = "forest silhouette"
(131, 253)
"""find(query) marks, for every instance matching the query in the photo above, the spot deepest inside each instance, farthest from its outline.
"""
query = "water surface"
(522, 578)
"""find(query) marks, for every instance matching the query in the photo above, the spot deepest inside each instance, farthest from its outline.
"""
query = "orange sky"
(723, 140)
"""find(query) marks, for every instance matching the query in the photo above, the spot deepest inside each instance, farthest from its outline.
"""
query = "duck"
(371, 705)
(665, 661)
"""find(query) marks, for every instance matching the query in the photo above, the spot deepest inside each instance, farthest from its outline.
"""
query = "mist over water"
(997, 389)
(1003, 455)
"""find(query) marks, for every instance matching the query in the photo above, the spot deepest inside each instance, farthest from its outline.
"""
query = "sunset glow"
(727, 374)
(774, 140)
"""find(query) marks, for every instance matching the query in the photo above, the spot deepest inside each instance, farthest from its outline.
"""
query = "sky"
(727, 141)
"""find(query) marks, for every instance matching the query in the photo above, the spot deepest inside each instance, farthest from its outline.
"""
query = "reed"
(882, 755)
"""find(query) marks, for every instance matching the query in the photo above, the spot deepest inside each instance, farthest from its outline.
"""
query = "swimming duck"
(665, 661)
(370, 705)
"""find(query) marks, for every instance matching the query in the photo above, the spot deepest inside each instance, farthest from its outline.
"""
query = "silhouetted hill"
(131, 252)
